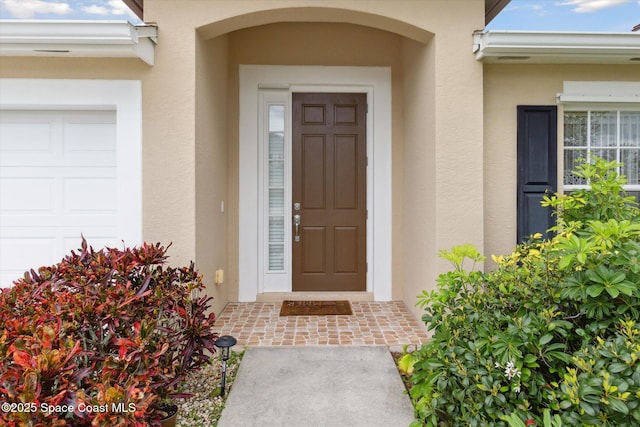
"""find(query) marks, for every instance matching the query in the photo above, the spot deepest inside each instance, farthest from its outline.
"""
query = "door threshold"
(314, 296)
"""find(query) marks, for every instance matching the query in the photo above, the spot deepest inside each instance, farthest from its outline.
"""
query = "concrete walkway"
(317, 387)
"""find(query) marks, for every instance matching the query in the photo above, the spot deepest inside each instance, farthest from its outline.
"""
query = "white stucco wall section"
(376, 81)
(123, 96)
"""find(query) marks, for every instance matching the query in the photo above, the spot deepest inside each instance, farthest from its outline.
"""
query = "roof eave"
(556, 47)
(492, 8)
(111, 39)
(136, 6)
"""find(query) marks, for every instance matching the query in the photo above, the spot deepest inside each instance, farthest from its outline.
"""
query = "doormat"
(315, 308)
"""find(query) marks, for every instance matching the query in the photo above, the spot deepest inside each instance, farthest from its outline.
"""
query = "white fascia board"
(77, 39)
(556, 47)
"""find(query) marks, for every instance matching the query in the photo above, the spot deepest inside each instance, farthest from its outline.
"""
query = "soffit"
(525, 47)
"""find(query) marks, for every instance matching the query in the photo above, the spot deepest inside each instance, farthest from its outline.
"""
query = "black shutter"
(537, 167)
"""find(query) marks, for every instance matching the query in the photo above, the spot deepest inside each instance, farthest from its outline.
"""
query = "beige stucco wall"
(442, 188)
(305, 44)
(190, 117)
(171, 211)
(430, 225)
(73, 68)
(419, 189)
(211, 165)
(506, 87)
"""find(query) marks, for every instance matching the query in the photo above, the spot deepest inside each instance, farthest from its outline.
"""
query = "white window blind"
(276, 188)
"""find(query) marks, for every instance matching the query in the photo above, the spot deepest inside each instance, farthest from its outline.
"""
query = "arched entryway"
(280, 59)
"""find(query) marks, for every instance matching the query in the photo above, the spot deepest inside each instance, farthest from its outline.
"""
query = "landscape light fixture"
(225, 343)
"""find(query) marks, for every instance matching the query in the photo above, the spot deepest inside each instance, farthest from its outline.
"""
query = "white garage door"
(58, 180)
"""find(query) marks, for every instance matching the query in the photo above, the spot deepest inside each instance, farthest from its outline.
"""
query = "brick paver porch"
(372, 323)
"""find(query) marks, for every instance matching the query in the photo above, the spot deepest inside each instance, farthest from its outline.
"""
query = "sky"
(519, 15)
(101, 10)
(611, 16)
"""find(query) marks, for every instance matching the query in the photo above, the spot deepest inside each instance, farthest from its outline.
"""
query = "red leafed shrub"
(100, 338)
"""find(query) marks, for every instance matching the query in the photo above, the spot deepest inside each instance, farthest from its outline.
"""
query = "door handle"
(296, 223)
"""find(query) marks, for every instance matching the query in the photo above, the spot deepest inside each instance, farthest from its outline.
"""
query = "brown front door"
(329, 191)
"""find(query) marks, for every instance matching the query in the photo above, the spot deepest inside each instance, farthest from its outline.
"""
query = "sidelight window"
(276, 188)
(274, 182)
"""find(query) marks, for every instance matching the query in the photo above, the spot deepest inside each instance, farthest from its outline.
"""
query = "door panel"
(329, 182)
(313, 250)
(346, 181)
(346, 254)
(313, 171)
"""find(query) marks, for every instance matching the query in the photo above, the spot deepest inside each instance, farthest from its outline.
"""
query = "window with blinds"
(613, 135)
(276, 189)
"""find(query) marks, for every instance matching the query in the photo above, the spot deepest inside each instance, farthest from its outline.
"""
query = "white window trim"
(123, 96)
(376, 82)
(273, 281)
(588, 108)
(584, 96)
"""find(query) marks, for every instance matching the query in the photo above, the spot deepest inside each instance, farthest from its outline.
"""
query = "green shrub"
(603, 386)
(552, 327)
